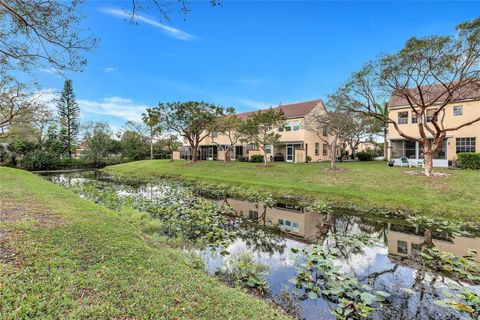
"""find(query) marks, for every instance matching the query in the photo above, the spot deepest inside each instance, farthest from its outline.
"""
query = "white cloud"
(113, 106)
(49, 70)
(109, 69)
(170, 31)
(256, 104)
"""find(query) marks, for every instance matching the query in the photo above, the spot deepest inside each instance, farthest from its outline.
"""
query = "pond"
(390, 263)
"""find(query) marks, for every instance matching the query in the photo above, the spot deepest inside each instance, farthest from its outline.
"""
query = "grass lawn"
(364, 184)
(62, 257)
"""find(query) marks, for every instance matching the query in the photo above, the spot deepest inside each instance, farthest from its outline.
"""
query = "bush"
(256, 158)
(309, 159)
(242, 159)
(366, 155)
(468, 160)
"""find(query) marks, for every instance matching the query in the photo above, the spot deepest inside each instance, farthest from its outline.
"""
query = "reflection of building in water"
(290, 219)
(404, 241)
(401, 240)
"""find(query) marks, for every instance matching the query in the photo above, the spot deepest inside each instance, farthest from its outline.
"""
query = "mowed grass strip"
(67, 258)
(364, 184)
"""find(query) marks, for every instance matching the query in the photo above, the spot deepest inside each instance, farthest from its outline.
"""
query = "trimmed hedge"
(366, 155)
(468, 160)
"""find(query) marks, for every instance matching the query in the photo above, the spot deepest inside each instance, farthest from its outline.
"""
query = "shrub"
(242, 159)
(366, 155)
(309, 158)
(256, 158)
(468, 160)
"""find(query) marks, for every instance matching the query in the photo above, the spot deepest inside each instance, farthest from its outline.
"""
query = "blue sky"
(248, 54)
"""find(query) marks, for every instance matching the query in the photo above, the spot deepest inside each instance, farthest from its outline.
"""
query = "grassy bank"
(364, 184)
(64, 257)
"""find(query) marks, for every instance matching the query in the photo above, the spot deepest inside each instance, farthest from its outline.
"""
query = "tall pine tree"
(68, 115)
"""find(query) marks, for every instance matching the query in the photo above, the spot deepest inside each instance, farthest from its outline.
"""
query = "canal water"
(270, 234)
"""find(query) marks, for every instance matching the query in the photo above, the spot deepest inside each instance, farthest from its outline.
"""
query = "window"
(416, 247)
(317, 148)
(280, 222)
(288, 126)
(250, 146)
(296, 126)
(458, 111)
(252, 215)
(325, 131)
(268, 148)
(410, 149)
(403, 117)
(465, 145)
(295, 227)
(214, 134)
(414, 118)
(430, 114)
(440, 154)
(325, 149)
(402, 247)
(280, 129)
(287, 225)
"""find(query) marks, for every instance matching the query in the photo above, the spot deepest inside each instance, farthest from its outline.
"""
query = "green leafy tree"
(192, 120)
(229, 127)
(152, 119)
(69, 117)
(98, 141)
(428, 74)
(258, 129)
(134, 146)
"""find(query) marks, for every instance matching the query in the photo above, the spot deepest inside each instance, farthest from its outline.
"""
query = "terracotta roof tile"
(294, 110)
(469, 92)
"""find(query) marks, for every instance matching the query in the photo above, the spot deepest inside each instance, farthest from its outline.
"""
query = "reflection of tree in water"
(258, 238)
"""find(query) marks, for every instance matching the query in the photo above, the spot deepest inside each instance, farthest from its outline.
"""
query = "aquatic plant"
(318, 276)
(462, 299)
(245, 272)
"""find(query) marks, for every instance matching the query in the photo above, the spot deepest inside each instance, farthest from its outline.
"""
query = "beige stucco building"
(296, 143)
(466, 139)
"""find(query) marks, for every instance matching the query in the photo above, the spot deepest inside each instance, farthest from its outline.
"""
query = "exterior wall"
(471, 110)
(176, 155)
(458, 247)
(301, 136)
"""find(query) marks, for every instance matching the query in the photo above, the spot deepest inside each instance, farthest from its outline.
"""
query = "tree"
(172, 144)
(191, 120)
(69, 116)
(97, 138)
(152, 119)
(229, 126)
(16, 102)
(336, 122)
(134, 146)
(258, 129)
(359, 129)
(426, 75)
(42, 34)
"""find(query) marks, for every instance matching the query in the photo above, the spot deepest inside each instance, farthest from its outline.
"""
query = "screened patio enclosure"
(413, 150)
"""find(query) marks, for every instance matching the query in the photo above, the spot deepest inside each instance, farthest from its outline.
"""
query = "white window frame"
(457, 111)
(404, 119)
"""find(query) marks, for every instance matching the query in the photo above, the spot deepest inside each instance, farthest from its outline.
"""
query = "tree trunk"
(333, 156)
(265, 158)
(151, 143)
(194, 154)
(428, 162)
(428, 238)
(385, 147)
(227, 152)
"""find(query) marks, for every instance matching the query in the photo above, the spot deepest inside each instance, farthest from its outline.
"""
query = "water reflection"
(390, 265)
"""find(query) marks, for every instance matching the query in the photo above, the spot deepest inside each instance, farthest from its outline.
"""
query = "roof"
(294, 110)
(469, 92)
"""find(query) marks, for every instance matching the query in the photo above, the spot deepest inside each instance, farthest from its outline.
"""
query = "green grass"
(63, 257)
(364, 184)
